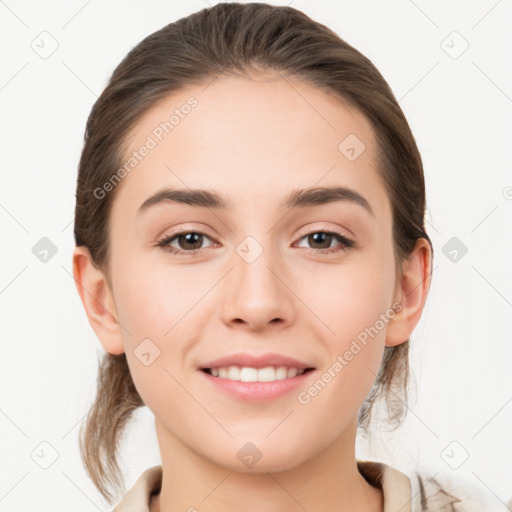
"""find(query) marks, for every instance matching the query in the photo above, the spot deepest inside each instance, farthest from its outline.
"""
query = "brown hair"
(234, 38)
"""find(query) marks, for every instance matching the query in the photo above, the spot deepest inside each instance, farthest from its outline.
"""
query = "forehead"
(254, 138)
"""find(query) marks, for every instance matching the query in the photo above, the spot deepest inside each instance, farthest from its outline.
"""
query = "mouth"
(252, 374)
(256, 378)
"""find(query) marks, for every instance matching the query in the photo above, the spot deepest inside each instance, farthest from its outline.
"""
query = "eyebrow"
(296, 199)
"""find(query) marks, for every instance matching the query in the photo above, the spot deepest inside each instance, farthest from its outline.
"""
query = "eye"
(325, 239)
(189, 243)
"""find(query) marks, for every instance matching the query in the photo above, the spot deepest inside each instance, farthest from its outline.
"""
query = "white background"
(459, 110)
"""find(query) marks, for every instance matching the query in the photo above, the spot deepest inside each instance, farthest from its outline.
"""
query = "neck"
(330, 480)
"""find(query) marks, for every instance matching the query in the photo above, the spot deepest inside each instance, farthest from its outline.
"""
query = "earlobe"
(97, 300)
(412, 293)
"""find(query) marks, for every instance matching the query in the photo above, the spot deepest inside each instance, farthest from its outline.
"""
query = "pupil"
(189, 239)
(317, 238)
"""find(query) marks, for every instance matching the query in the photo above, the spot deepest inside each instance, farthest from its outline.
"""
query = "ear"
(411, 293)
(97, 300)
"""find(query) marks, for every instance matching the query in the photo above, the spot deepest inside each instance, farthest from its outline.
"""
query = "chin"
(262, 455)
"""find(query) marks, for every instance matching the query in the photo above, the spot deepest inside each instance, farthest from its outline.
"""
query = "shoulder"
(137, 499)
(447, 493)
(415, 491)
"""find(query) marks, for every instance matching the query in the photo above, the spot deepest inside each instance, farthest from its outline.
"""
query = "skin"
(254, 140)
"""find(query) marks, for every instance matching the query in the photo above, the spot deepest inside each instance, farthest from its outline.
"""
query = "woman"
(251, 253)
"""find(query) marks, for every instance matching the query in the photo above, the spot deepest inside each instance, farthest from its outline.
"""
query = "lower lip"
(258, 391)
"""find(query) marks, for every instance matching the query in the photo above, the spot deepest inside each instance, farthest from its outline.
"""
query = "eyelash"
(345, 243)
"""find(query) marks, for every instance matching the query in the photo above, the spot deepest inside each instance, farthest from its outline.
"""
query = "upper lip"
(243, 359)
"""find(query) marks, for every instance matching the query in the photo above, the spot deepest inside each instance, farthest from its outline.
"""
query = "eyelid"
(336, 230)
(345, 242)
(165, 240)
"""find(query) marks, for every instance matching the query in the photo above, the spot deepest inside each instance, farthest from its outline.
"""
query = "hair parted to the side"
(234, 38)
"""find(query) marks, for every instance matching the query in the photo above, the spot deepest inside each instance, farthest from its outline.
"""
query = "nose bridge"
(255, 293)
(256, 257)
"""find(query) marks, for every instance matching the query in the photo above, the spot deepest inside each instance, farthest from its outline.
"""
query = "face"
(304, 284)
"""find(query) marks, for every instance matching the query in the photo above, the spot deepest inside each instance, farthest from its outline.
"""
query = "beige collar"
(395, 487)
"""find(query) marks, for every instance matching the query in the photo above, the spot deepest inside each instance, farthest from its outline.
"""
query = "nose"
(256, 294)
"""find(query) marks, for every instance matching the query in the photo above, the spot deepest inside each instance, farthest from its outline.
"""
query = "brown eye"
(322, 238)
(321, 241)
(188, 243)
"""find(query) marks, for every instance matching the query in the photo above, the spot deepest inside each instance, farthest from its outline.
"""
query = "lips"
(254, 378)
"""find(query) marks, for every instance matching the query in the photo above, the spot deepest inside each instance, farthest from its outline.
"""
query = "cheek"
(153, 303)
(355, 307)
(351, 298)
(354, 311)
(160, 312)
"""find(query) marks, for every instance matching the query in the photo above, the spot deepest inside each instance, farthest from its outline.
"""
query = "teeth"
(292, 372)
(233, 373)
(247, 374)
(267, 374)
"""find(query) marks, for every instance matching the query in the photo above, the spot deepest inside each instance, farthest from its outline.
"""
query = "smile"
(249, 374)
